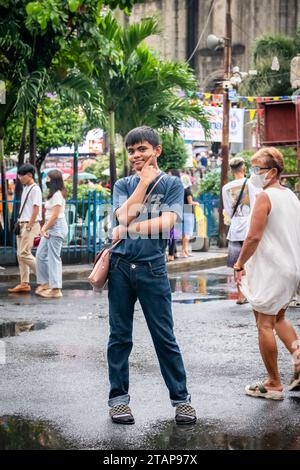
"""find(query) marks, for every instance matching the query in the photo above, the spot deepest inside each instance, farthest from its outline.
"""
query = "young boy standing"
(138, 271)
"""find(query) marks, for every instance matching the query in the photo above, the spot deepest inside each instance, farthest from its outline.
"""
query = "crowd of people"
(264, 246)
(50, 235)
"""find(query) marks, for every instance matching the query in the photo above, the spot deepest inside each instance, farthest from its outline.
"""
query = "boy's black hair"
(26, 168)
(140, 134)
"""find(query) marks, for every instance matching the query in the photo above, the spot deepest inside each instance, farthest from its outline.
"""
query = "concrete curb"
(81, 272)
(194, 265)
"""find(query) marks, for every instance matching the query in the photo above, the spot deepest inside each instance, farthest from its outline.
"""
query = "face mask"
(48, 184)
(259, 181)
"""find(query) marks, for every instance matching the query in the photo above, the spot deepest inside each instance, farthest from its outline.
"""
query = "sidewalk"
(199, 260)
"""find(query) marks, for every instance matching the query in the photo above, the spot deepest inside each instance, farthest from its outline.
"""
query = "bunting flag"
(217, 98)
(252, 113)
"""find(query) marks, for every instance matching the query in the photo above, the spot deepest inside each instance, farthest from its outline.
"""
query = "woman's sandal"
(258, 390)
(295, 382)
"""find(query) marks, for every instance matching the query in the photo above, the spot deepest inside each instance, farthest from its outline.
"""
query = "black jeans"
(148, 282)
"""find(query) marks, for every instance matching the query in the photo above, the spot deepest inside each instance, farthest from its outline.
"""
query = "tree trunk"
(3, 184)
(125, 160)
(21, 159)
(75, 171)
(32, 138)
(112, 157)
(39, 161)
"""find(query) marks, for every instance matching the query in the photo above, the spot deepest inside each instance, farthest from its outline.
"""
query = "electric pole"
(226, 118)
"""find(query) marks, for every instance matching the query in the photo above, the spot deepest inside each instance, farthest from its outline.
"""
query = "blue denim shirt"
(167, 196)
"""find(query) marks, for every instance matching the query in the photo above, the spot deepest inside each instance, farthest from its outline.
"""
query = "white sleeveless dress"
(273, 272)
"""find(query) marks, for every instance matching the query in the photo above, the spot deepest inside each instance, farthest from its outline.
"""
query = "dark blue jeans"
(148, 282)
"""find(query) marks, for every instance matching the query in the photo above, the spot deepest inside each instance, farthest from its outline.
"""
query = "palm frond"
(133, 35)
(110, 28)
(31, 90)
(79, 90)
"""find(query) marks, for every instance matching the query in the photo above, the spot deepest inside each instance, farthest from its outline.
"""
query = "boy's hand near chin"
(149, 172)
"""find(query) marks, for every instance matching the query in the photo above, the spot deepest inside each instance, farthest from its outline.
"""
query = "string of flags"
(217, 98)
(212, 99)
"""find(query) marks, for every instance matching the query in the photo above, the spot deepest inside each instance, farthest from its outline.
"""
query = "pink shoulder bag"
(99, 274)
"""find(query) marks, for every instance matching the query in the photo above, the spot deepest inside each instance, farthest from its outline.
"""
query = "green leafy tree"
(174, 154)
(211, 183)
(270, 82)
(138, 87)
(33, 35)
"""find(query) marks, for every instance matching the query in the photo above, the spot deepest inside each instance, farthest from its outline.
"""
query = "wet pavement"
(54, 378)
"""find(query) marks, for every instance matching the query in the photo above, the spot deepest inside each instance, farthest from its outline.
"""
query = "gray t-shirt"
(167, 196)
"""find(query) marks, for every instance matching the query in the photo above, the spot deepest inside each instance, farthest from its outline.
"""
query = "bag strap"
(239, 198)
(144, 202)
(26, 199)
(147, 195)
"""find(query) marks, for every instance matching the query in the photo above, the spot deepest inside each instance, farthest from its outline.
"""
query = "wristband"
(238, 268)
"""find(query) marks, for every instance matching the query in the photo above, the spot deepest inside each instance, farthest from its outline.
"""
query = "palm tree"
(138, 87)
(270, 82)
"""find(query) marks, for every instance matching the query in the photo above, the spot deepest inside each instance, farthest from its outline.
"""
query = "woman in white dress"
(268, 268)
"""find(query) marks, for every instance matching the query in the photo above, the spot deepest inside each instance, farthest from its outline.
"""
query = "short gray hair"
(236, 163)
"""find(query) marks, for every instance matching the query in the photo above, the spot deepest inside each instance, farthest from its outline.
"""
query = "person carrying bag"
(27, 227)
(239, 197)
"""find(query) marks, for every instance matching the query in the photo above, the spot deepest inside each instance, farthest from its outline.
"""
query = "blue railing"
(89, 222)
(211, 206)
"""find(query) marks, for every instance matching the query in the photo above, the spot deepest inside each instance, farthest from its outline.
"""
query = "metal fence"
(89, 224)
(211, 204)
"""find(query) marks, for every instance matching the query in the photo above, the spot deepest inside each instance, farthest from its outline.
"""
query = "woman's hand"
(238, 276)
(44, 232)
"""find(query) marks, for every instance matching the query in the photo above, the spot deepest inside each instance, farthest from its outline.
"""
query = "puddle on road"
(197, 287)
(202, 287)
(14, 328)
(207, 437)
(17, 433)
(208, 286)
(197, 300)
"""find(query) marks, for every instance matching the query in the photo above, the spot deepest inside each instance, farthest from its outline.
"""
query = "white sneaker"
(51, 293)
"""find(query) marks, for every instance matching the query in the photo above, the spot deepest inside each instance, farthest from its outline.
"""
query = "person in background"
(203, 162)
(172, 248)
(31, 215)
(188, 215)
(53, 233)
(239, 197)
(268, 269)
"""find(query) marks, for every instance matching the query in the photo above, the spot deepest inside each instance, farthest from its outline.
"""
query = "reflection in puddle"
(198, 300)
(17, 433)
(211, 287)
(208, 437)
(14, 328)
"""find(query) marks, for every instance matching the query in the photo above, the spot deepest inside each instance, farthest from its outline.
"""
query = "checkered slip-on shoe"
(185, 414)
(121, 414)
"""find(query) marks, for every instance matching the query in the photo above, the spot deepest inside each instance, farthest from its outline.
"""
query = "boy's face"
(139, 154)
(25, 179)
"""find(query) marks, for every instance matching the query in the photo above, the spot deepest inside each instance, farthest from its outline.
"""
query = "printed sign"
(194, 130)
